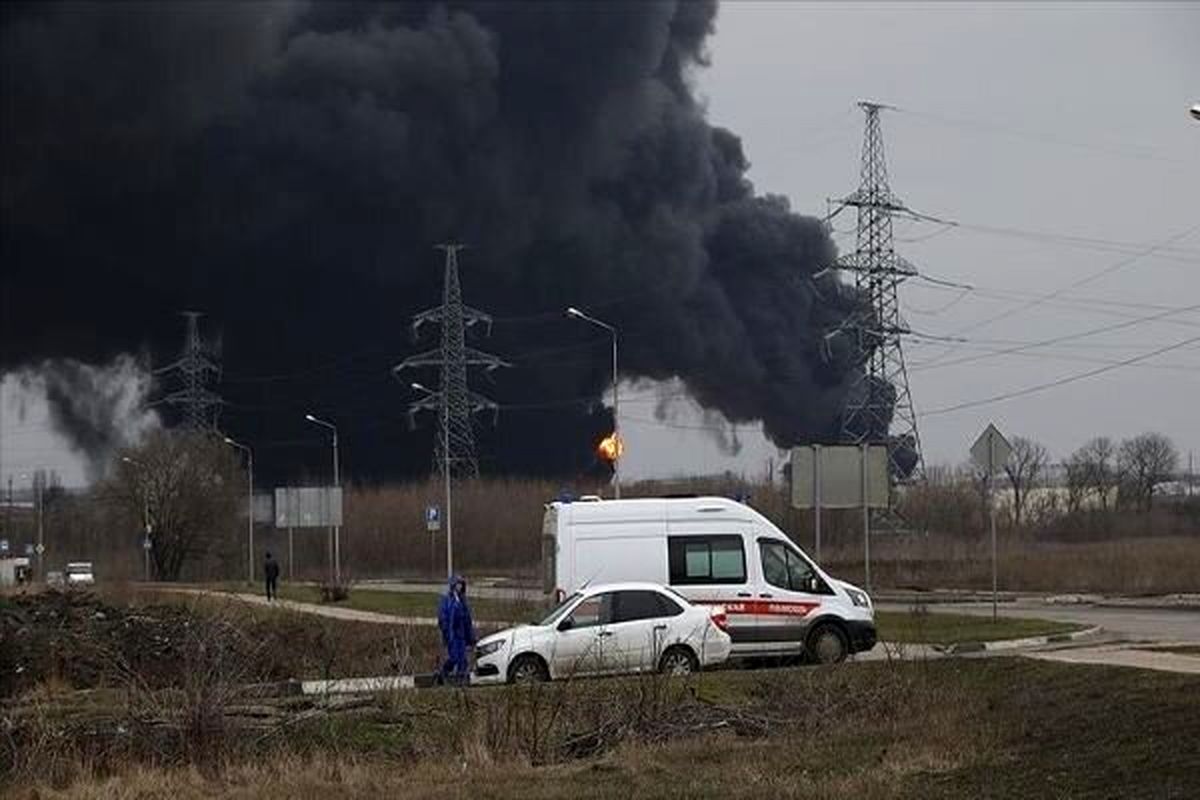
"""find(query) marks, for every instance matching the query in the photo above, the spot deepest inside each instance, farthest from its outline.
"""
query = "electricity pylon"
(879, 406)
(454, 402)
(195, 369)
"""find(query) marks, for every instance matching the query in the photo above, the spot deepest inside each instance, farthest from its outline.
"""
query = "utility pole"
(618, 445)
(39, 489)
(879, 408)
(454, 449)
(249, 507)
(194, 370)
(335, 531)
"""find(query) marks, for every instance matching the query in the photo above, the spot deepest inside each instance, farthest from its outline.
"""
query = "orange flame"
(610, 448)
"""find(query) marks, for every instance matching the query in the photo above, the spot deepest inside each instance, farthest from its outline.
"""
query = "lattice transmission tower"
(454, 402)
(194, 371)
(879, 407)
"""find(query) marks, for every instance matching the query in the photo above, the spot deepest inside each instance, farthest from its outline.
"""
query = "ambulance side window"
(699, 560)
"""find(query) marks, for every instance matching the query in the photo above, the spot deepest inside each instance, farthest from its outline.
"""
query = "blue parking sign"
(433, 518)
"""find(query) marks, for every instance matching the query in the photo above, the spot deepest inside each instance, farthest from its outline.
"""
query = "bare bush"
(185, 487)
(1143, 462)
(1023, 470)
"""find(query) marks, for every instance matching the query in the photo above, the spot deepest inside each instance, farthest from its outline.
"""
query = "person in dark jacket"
(271, 573)
(458, 630)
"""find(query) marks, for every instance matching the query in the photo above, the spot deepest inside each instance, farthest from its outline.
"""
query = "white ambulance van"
(713, 551)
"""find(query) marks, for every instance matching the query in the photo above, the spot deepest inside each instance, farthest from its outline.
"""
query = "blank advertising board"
(308, 507)
(839, 471)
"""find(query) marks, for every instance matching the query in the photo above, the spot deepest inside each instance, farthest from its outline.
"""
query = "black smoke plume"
(288, 166)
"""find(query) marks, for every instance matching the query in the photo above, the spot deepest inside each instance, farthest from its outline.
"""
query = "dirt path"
(333, 612)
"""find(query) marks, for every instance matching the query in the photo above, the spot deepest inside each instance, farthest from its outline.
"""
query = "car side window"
(630, 606)
(667, 607)
(587, 614)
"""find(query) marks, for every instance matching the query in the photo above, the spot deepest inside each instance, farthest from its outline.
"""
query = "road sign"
(146, 545)
(991, 450)
(41, 548)
(29, 548)
(832, 476)
(433, 518)
(3, 545)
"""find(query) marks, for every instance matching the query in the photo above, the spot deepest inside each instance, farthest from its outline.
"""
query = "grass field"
(407, 604)
(941, 628)
(996, 728)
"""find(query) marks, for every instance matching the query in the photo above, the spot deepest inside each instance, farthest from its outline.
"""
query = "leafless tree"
(1024, 469)
(1143, 462)
(187, 488)
(1096, 469)
(1076, 469)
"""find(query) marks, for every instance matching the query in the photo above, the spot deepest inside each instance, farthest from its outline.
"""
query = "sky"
(1062, 119)
(1063, 125)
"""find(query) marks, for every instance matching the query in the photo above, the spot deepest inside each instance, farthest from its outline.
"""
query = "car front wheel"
(528, 669)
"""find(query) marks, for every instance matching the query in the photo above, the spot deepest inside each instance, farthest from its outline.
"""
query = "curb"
(960, 648)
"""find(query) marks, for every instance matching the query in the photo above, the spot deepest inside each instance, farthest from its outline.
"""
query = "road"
(1133, 624)
(1131, 636)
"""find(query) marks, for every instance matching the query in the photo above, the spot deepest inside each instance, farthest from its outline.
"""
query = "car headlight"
(489, 648)
(859, 599)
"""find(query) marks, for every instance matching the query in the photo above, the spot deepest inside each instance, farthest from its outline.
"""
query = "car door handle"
(660, 627)
(765, 594)
(744, 594)
(604, 633)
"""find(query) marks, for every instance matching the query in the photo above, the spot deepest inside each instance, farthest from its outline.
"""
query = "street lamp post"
(145, 516)
(445, 476)
(249, 507)
(336, 530)
(577, 314)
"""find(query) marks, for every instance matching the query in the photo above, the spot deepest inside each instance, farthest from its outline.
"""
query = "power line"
(1062, 381)
(879, 406)
(1040, 299)
(938, 363)
(1123, 150)
(195, 369)
(454, 451)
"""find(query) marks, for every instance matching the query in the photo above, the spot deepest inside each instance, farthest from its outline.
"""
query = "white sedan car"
(608, 629)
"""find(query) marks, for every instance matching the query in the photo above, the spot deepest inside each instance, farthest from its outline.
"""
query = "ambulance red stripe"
(784, 608)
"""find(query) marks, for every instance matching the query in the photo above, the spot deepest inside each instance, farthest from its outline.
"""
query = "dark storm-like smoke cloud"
(287, 166)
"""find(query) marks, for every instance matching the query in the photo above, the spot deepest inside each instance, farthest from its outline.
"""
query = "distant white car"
(604, 630)
(79, 573)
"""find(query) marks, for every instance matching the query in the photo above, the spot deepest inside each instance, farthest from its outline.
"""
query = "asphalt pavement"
(1135, 624)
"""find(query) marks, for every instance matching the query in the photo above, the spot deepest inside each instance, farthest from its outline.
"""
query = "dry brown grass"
(927, 730)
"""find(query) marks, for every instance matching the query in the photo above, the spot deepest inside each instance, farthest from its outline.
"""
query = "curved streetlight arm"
(577, 314)
(321, 422)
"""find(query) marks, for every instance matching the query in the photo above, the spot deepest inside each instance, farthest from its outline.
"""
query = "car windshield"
(553, 616)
